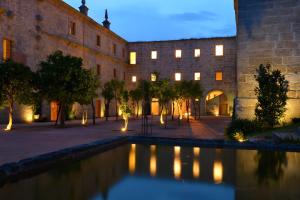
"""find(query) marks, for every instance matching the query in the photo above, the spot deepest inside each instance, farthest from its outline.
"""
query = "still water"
(143, 172)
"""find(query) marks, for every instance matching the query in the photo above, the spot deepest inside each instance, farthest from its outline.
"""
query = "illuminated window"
(219, 50)
(98, 70)
(178, 54)
(153, 77)
(197, 76)
(177, 76)
(219, 76)
(153, 55)
(114, 49)
(7, 45)
(72, 28)
(133, 79)
(133, 58)
(98, 40)
(197, 53)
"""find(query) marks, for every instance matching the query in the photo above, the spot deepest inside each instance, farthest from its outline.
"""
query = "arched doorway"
(216, 103)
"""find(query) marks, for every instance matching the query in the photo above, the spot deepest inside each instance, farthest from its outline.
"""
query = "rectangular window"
(72, 28)
(153, 77)
(98, 70)
(219, 50)
(178, 54)
(115, 73)
(197, 53)
(153, 55)
(133, 79)
(132, 58)
(177, 76)
(98, 40)
(7, 46)
(197, 76)
(114, 49)
(219, 76)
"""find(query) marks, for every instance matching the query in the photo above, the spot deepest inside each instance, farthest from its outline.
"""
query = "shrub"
(242, 126)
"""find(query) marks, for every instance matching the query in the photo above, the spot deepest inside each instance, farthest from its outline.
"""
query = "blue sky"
(147, 20)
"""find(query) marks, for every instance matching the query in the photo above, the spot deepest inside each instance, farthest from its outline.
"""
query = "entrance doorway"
(217, 103)
(54, 110)
(98, 108)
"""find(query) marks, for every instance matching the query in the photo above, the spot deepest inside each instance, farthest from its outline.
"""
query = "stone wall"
(268, 32)
(40, 27)
(207, 64)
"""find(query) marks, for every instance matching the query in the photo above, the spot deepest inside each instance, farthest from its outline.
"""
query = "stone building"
(267, 32)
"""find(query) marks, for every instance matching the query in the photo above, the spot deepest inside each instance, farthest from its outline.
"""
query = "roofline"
(188, 39)
(88, 19)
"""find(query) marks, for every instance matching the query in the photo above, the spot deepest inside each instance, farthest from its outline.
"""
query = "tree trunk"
(117, 112)
(62, 115)
(187, 102)
(106, 111)
(194, 109)
(94, 113)
(173, 110)
(58, 113)
(199, 111)
(137, 110)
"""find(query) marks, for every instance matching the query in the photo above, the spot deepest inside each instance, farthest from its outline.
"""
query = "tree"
(196, 92)
(125, 109)
(15, 85)
(271, 94)
(117, 89)
(108, 95)
(164, 95)
(136, 96)
(88, 89)
(61, 80)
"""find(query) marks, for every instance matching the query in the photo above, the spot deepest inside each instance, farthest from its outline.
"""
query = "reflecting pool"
(144, 172)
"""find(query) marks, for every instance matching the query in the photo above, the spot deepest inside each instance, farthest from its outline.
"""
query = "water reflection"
(177, 163)
(153, 172)
(270, 166)
(132, 159)
(153, 160)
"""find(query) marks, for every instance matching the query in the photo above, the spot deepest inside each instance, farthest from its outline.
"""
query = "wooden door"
(98, 108)
(54, 110)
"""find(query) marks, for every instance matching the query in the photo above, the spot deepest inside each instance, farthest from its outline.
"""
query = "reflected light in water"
(196, 168)
(218, 172)
(196, 151)
(132, 160)
(153, 161)
(177, 163)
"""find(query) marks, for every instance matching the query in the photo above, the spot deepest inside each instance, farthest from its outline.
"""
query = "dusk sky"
(146, 20)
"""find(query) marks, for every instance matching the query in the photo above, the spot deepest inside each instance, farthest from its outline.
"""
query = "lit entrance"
(217, 103)
(54, 110)
(155, 107)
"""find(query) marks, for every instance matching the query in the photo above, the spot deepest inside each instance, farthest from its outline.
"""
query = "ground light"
(84, 118)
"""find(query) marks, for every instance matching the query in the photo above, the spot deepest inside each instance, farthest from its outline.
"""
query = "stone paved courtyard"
(26, 141)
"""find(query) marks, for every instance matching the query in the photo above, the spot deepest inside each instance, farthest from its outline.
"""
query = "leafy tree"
(117, 89)
(61, 80)
(15, 85)
(88, 86)
(196, 93)
(136, 96)
(108, 95)
(179, 98)
(271, 94)
(125, 109)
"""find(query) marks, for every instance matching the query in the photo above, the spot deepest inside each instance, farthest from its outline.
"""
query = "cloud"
(194, 16)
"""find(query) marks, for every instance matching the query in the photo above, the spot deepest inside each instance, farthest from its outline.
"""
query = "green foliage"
(62, 79)
(243, 126)
(271, 95)
(108, 95)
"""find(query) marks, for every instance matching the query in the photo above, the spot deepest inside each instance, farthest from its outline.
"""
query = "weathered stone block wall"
(40, 27)
(268, 31)
(208, 64)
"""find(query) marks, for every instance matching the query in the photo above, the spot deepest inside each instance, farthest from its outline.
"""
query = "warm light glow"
(6, 49)
(153, 55)
(153, 161)
(197, 53)
(27, 114)
(177, 163)
(196, 151)
(219, 50)
(133, 79)
(132, 58)
(9, 125)
(214, 94)
(218, 172)
(84, 118)
(153, 77)
(197, 76)
(36, 117)
(162, 118)
(125, 128)
(178, 53)
(177, 76)
(219, 76)
(196, 168)
(132, 159)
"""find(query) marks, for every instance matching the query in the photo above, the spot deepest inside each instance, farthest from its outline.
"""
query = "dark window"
(98, 40)
(114, 49)
(72, 28)
(115, 73)
(98, 70)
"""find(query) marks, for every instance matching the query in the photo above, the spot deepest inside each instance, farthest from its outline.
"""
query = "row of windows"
(72, 31)
(178, 77)
(219, 51)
